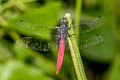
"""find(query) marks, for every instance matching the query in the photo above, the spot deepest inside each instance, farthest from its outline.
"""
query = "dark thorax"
(63, 28)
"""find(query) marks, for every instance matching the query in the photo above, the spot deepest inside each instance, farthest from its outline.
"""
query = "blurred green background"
(101, 62)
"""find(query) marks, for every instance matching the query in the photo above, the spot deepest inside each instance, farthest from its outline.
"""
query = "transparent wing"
(87, 25)
(36, 44)
(23, 23)
(32, 42)
(90, 40)
(88, 35)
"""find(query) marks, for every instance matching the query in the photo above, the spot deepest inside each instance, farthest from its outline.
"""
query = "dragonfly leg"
(70, 26)
(68, 35)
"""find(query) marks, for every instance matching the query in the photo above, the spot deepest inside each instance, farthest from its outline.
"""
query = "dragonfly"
(61, 33)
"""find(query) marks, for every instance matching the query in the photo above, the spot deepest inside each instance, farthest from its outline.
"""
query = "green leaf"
(16, 70)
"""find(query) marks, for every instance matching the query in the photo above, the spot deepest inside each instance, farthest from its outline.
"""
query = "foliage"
(18, 18)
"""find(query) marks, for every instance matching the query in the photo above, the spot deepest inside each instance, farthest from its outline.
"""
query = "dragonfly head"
(63, 21)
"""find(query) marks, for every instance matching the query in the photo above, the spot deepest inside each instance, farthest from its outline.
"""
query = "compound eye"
(65, 20)
(61, 20)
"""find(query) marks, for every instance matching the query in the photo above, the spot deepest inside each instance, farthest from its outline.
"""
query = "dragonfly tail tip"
(57, 72)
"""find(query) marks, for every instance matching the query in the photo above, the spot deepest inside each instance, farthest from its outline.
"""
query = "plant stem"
(75, 54)
(77, 17)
